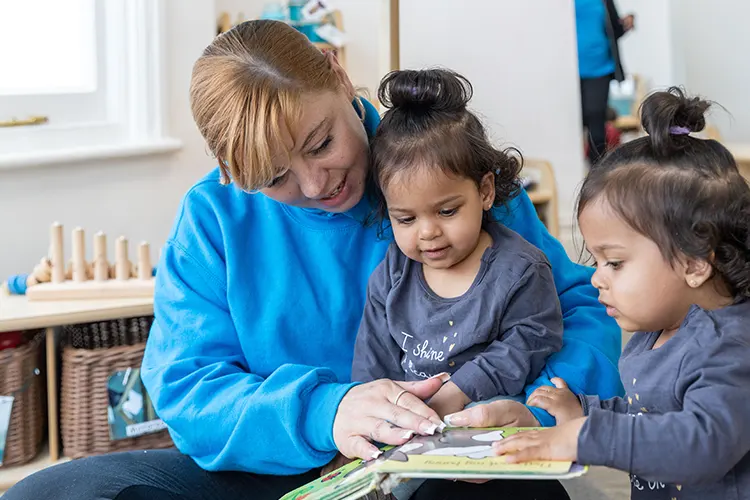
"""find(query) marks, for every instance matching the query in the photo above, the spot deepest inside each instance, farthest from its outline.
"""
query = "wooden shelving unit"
(544, 194)
(18, 313)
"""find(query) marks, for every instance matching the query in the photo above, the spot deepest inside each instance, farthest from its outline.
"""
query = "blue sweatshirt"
(257, 306)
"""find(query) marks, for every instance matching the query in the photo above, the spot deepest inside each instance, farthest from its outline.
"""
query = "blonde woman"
(261, 288)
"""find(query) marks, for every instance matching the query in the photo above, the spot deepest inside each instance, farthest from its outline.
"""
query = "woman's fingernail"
(376, 454)
(441, 427)
(444, 377)
(428, 428)
(408, 435)
(455, 420)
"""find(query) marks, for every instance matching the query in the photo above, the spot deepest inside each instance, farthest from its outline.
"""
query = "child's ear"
(487, 190)
(697, 272)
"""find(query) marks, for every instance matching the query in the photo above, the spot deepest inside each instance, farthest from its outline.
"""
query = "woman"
(598, 28)
(261, 287)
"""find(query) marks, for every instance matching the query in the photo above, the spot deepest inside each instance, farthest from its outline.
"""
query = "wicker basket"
(20, 377)
(113, 333)
(119, 345)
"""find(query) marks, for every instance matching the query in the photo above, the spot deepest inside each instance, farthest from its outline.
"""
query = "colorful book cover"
(457, 453)
(130, 411)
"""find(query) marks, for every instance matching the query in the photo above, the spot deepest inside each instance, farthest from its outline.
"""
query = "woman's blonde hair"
(248, 83)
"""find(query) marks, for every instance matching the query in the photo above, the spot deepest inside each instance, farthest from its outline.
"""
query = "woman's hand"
(387, 412)
(503, 413)
(555, 443)
(558, 401)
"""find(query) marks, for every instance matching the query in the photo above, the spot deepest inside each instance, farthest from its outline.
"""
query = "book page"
(454, 454)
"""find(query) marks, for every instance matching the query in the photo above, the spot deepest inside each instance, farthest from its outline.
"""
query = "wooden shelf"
(627, 123)
(18, 313)
(539, 196)
(544, 193)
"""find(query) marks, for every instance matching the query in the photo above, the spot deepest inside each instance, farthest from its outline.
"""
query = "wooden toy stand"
(95, 280)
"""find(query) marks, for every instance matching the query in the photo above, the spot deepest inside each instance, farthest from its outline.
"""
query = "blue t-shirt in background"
(594, 53)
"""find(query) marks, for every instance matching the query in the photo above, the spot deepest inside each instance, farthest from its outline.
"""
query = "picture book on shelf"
(456, 453)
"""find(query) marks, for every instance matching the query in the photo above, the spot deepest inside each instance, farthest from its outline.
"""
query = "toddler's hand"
(449, 399)
(554, 443)
(558, 401)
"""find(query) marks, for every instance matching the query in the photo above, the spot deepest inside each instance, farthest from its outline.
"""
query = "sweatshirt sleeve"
(590, 403)
(217, 411)
(705, 440)
(529, 331)
(591, 339)
(376, 354)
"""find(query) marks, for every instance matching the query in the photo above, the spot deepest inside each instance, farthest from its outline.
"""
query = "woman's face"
(328, 156)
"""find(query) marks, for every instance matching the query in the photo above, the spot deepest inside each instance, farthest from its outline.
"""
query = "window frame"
(134, 114)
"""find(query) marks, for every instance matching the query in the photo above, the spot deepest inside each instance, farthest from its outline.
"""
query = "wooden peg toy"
(79, 255)
(93, 280)
(144, 261)
(122, 264)
(100, 263)
(56, 253)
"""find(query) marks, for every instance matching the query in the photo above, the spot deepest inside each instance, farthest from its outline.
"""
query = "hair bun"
(430, 89)
(671, 114)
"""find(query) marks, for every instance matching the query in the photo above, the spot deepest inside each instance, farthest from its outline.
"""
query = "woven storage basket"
(103, 334)
(21, 378)
(110, 346)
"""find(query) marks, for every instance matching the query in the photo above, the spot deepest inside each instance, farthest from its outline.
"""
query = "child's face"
(641, 290)
(437, 218)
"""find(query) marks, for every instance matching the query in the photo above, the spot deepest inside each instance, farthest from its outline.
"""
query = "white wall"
(246, 9)
(521, 59)
(650, 50)
(366, 22)
(714, 40)
(700, 45)
(137, 197)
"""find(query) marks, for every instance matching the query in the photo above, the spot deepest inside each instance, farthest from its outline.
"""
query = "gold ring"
(399, 396)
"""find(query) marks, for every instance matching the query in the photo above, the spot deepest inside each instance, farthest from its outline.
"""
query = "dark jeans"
(170, 475)
(594, 98)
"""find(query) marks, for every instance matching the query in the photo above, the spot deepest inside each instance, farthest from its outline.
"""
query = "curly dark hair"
(428, 124)
(682, 192)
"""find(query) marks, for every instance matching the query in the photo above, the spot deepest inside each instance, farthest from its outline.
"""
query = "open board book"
(457, 453)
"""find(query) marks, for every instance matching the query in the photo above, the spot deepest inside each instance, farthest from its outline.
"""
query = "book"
(456, 453)
(130, 412)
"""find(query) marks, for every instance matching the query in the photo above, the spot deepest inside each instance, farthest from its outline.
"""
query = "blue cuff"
(321, 412)
(544, 418)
